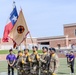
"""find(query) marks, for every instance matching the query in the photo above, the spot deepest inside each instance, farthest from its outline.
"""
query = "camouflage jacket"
(54, 63)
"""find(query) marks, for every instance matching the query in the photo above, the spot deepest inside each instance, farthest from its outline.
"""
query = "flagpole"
(25, 43)
(14, 42)
(20, 48)
(13, 4)
(31, 38)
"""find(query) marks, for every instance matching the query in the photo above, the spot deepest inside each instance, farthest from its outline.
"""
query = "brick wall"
(70, 31)
(55, 43)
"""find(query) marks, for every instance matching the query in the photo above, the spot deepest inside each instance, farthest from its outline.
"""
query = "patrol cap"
(26, 49)
(35, 47)
(10, 50)
(52, 49)
(45, 48)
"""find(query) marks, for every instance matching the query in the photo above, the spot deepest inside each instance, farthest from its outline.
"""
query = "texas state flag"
(12, 20)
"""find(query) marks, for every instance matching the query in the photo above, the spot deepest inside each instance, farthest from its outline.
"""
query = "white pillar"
(67, 41)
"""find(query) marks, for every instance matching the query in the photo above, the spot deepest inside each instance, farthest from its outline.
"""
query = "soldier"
(35, 61)
(26, 61)
(44, 61)
(19, 64)
(54, 61)
(19, 52)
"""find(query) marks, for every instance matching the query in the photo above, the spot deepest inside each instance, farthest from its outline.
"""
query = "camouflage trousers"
(23, 72)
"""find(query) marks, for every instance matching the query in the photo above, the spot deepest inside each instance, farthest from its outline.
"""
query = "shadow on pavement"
(62, 73)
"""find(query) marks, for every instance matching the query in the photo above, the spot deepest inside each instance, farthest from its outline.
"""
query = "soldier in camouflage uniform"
(19, 64)
(35, 61)
(54, 61)
(44, 61)
(26, 61)
(19, 54)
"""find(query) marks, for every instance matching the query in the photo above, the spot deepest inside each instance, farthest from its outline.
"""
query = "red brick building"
(65, 41)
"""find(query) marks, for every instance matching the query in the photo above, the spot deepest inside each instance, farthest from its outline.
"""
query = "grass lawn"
(63, 69)
(15, 51)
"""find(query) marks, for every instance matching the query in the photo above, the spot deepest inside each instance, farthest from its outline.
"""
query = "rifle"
(39, 67)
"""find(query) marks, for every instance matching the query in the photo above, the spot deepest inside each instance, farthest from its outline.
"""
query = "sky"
(44, 18)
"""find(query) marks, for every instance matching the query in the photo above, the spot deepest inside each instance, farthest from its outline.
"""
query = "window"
(44, 43)
(75, 32)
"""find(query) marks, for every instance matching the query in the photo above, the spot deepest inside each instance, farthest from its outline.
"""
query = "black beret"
(35, 47)
(52, 49)
(26, 49)
(45, 48)
(19, 51)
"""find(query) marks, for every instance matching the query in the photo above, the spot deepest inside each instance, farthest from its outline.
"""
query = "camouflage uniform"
(34, 64)
(54, 63)
(44, 63)
(26, 66)
(19, 65)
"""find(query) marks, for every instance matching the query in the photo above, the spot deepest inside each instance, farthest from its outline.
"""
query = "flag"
(12, 20)
(20, 30)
